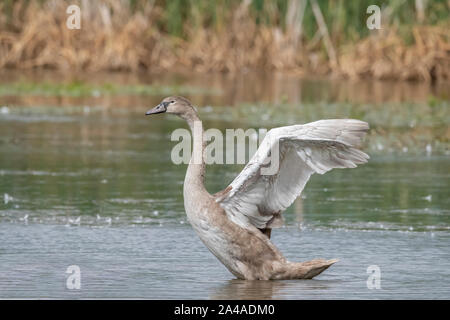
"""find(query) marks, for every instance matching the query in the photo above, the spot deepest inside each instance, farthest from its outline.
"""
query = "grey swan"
(235, 224)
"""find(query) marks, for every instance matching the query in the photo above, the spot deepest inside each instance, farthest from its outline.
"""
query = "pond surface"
(88, 181)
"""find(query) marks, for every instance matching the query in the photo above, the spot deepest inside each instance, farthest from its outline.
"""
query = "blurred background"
(298, 36)
(86, 179)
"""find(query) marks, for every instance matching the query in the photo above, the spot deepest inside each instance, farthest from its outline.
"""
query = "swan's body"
(235, 223)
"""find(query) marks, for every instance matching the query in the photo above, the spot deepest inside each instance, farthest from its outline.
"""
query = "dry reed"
(115, 37)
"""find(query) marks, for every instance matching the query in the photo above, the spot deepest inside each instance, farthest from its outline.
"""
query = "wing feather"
(317, 147)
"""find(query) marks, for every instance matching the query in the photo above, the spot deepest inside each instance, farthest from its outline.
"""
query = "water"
(88, 181)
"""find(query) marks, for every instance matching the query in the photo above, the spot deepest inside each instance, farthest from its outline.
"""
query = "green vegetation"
(345, 19)
(83, 89)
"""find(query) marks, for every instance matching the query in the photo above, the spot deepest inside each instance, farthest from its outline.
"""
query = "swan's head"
(175, 105)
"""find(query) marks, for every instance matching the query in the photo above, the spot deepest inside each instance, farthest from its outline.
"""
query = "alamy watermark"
(73, 281)
(374, 279)
(374, 20)
(229, 148)
(74, 19)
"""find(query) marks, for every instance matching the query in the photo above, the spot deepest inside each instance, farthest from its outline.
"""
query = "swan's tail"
(304, 270)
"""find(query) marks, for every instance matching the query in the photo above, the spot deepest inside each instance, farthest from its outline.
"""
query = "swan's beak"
(160, 108)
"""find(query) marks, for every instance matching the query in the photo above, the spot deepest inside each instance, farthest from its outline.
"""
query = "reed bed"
(300, 36)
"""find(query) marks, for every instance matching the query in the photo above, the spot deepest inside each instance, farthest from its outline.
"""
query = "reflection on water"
(254, 290)
(89, 181)
(226, 90)
(264, 290)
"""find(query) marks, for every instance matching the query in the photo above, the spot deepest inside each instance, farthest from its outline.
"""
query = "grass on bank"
(83, 89)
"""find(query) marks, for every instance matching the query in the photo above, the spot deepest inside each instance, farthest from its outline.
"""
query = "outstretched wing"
(258, 196)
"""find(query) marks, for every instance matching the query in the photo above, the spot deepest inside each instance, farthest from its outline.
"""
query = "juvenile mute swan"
(235, 224)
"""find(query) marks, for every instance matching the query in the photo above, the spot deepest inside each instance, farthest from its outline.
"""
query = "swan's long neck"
(194, 180)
